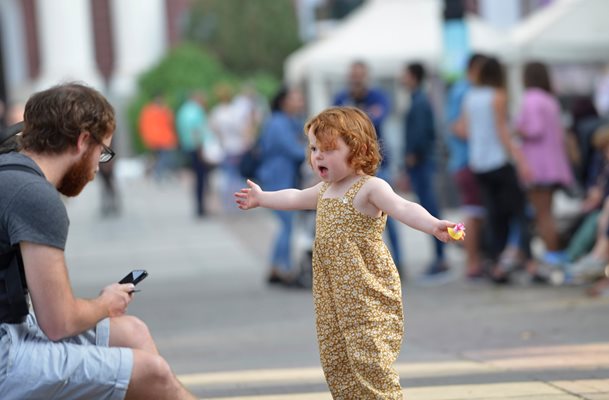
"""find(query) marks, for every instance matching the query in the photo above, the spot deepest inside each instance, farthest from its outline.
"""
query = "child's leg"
(360, 328)
(332, 347)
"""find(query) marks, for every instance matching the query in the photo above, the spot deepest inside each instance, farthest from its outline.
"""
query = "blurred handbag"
(250, 161)
(212, 152)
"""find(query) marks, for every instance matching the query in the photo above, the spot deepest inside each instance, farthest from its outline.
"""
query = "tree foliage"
(246, 35)
(184, 69)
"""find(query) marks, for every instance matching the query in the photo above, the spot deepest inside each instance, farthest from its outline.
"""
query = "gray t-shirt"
(30, 207)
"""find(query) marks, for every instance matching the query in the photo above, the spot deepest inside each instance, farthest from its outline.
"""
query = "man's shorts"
(81, 367)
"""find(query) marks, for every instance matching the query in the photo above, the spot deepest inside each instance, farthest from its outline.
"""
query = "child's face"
(331, 164)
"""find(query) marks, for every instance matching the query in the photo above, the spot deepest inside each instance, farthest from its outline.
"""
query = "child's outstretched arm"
(287, 199)
(382, 196)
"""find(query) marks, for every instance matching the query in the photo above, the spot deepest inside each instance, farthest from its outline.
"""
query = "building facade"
(104, 43)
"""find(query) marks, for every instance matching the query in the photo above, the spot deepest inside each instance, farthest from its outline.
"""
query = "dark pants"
(422, 178)
(391, 227)
(505, 204)
(200, 170)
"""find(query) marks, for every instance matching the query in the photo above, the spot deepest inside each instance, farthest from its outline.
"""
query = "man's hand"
(248, 198)
(116, 298)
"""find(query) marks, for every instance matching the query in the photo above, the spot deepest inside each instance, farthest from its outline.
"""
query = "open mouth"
(323, 171)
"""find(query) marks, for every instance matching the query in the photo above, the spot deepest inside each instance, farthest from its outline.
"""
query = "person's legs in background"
(593, 264)
(474, 212)
(281, 260)
(200, 170)
(109, 202)
(391, 229)
(232, 181)
(506, 207)
(498, 221)
(163, 164)
(541, 200)
(421, 179)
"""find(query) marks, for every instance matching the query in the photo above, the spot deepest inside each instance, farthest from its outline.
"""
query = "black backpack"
(13, 286)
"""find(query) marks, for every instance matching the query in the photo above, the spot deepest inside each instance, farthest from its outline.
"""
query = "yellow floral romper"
(358, 301)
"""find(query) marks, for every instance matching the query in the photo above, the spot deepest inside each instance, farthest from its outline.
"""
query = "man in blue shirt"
(375, 103)
(419, 153)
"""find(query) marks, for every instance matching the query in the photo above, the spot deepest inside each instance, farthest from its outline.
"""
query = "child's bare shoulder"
(374, 182)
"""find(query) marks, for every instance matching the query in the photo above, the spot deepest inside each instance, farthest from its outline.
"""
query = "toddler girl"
(356, 286)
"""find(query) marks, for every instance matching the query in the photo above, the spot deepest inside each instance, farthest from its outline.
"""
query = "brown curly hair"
(54, 118)
(356, 130)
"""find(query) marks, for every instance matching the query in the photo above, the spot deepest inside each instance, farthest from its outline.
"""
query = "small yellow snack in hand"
(457, 232)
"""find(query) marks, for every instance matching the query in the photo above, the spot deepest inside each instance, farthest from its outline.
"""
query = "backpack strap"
(20, 167)
(11, 131)
(13, 286)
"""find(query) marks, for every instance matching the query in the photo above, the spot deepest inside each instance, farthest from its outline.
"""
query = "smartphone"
(135, 276)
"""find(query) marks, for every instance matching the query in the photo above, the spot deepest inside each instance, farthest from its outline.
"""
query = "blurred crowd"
(509, 163)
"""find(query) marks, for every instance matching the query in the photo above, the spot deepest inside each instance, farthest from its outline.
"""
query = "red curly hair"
(356, 130)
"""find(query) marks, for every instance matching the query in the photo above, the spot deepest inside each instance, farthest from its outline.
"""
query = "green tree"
(186, 68)
(183, 69)
(247, 36)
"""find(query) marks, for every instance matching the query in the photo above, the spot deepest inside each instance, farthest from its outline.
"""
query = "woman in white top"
(492, 150)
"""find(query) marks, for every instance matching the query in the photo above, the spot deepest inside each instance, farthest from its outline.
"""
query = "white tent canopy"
(386, 34)
(565, 31)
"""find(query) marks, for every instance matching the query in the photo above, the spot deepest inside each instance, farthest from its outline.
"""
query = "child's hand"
(457, 232)
(441, 231)
(248, 198)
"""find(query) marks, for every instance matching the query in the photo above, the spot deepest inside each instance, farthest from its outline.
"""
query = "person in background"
(601, 93)
(110, 200)
(593, 233)
(192, 126)
(542, 137)
(492, 154)
(582, 155)
(226, 122)
(375, 103)
(470, 196)
(282, 153)
(157, 130)
(419, 153)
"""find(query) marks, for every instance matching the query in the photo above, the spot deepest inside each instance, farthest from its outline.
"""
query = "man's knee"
(137, 326)
(160, 371)
(130, 331)
(151, 376)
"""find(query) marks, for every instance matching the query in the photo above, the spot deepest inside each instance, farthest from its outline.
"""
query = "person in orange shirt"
(157, 130)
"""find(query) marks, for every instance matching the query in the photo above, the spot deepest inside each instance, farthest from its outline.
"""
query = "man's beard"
(77, 176)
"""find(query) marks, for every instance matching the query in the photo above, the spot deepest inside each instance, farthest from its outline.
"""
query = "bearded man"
(63, 347)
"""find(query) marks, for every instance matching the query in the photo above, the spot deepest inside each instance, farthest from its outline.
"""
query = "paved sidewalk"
(514, 374)
(230, 336)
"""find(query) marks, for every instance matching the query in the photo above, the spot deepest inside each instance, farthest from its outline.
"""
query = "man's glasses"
(107, 153)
